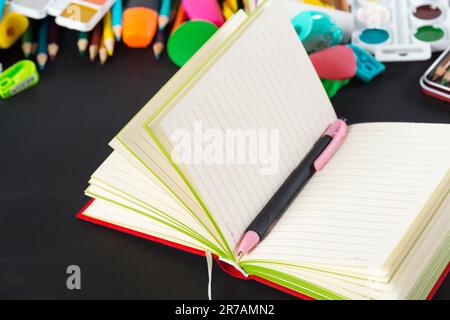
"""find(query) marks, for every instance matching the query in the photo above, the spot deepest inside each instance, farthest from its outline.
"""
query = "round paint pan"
(187, 39)
(374, 16)
(427, 14)
(374, 36)
(429, 34)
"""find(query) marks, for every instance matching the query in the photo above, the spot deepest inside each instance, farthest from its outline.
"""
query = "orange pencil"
(95, 42)
(180, 18)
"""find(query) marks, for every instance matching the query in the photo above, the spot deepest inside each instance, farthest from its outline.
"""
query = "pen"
(315, 160)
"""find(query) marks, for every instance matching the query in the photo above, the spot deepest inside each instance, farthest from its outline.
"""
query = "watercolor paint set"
(401, 30)
(81, 15)
(436, 80)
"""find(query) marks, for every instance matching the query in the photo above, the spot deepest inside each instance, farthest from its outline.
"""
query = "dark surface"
(54, 136)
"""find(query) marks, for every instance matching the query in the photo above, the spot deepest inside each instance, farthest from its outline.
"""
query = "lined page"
(360, 206)
(264, 83)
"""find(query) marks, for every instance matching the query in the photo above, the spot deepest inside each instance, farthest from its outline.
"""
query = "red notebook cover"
(225, 266)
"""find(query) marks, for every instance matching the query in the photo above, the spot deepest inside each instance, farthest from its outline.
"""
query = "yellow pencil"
(103, 52)
(232, 4)
(108, 34)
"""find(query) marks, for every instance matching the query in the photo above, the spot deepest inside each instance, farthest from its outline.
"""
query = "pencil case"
(438, 86)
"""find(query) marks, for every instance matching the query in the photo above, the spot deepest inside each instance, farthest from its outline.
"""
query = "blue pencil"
(117, 13)
(2, 6)
(164, 14)
(42, 55)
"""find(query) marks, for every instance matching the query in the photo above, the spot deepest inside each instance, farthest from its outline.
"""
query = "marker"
(164, 14)
(27, 41)
(95, 42)
(314, 161)
(42, 53)
(108, 34)
(117, 13)
(140, 22)
(53, 46)
(83, 42)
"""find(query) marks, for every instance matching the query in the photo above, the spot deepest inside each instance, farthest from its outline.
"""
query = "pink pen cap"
(338, 131)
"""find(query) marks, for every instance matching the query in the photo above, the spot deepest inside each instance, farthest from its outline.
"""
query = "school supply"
(103, 51)
(2, 6)
(180, 18)
(208, 10)
(367, 67)
(164, 14)
(316, 30)
(95, 42)
(188, 39)
(344, 20)
(163, 34)
(27, 41)
(17, 78)
(401, 30)
(12, 27)
(335, 63)
(53, 46)
(333, 86)
(42, 52)
(108, 34)
(372, 224)
(435, 81)
(80, 15)
(83, 43)
(117, 13)
(140, 22)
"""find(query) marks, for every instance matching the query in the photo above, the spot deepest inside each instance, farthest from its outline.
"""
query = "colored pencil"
(446, 79)
(180, 18)
(108, 34)
(2, 7)
(160, 43)
(42, 53)
(83, 42)
(103, 52)
(34, 42)
(27, 41)
(95, 42)
(164, 14)
(117, 13)
(232, 4)
(53, 46)
(441, 68)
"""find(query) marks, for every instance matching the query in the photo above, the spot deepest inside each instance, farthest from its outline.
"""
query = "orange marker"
(140, 22)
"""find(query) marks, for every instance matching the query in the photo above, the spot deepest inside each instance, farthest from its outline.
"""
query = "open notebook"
(373, 224)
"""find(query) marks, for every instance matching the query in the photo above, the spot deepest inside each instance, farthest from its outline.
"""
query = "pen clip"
(338, 131)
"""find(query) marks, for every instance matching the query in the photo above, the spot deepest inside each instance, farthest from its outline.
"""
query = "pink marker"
(208, 10)
(320, 154)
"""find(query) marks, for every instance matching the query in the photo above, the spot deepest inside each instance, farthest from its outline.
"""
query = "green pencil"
(83, 42)
(42, 55)
(27, 41)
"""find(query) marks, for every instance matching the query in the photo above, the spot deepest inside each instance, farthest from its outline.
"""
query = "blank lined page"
(360, 206)
(264, 83)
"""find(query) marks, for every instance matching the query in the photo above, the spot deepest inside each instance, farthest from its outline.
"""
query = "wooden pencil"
(117, 14)
(164, 14)
(83, 42)
(42, 53)
(103, 52)
(27, 41)
(53, 46)
(108, 34)
(95, 42)
(441, 68)
(180, 18)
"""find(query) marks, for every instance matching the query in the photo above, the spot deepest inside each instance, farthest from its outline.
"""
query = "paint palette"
(81, 15)
(401, 30)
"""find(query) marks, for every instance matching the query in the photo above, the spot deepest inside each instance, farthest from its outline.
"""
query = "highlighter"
(140, 22)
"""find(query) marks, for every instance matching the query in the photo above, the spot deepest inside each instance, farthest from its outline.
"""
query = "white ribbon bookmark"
(209, 262)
